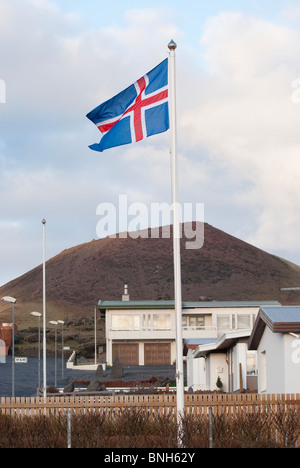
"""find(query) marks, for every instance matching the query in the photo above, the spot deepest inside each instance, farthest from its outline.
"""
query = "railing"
(168, 328)
(113, 406)
(142, 329)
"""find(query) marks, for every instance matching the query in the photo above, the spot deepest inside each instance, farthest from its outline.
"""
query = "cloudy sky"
(238, 103)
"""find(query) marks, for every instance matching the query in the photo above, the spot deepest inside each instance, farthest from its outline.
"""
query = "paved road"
(26, 375)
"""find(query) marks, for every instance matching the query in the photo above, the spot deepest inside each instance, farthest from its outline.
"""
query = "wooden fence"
(113, 406)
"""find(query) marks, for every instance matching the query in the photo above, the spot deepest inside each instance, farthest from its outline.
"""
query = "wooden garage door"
(128, 353)
(157, 354)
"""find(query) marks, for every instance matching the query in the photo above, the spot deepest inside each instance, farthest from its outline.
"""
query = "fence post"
(211, 422)
(69, 430)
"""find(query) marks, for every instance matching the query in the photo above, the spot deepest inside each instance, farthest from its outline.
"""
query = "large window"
(243, 322)
(125, 322)
(223, 322)
(162, 321)
(197, 322)
(233, 322)
(141, 322)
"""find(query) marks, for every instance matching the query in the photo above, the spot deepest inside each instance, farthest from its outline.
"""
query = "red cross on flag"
(141, 110)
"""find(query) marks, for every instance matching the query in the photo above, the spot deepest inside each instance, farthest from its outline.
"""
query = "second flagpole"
(176, 240)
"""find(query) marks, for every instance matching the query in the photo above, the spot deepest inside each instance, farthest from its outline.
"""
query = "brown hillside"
(226, 268)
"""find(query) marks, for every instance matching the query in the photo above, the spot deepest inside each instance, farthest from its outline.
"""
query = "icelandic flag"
(141, 110)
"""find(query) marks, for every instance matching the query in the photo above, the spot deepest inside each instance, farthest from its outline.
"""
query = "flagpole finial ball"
(172, 45)
(43, 221)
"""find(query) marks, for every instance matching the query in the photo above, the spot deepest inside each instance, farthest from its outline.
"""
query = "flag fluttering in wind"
(141, 110)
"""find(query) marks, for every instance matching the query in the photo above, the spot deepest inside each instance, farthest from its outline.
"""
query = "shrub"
(140, 429)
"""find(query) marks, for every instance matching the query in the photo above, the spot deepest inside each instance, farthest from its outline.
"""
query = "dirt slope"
(225, 268)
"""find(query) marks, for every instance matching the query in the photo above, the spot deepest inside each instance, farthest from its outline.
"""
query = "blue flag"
(141, 110)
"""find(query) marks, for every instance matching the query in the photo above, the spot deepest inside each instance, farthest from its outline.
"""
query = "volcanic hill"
(225, 268)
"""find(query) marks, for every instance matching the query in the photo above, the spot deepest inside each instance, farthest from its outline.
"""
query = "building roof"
(280, 319)
(193, 343)
(185, 305)
(224, 342)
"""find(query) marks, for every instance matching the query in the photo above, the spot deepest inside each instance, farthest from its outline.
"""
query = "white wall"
(216, 365)
(292, 364)
(282, 353)
(203, 373)
(271, 344)
(196, 373)
(239, 357)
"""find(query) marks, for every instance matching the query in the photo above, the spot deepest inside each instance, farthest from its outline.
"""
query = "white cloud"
(237, 125)
(248, 123)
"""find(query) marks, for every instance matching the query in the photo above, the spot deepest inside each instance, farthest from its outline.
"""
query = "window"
(251, 363)
(243, 322)
(162, 321)
(136, 322)
(121, 322)
(223, 322)
(146, 321)
(193, 321)
(125, 322)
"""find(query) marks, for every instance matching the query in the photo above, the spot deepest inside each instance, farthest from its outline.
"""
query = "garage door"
(128, 353)
(157, 354)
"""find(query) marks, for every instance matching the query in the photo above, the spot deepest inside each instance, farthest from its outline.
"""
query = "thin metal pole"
(55, 360)
(95, 335)
(211, 423)
(39, 355)
(13, 354)
(69, 430)
(176, 240)
(62, 351)
(44, 315)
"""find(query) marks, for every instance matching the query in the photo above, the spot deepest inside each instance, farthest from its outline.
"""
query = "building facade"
(276, 339)
(226, 359)
(144, 332)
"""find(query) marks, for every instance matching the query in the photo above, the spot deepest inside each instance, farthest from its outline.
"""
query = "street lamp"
(44, 312)
(53, 322)
(12, 300)
(38, 315)
(61, 322)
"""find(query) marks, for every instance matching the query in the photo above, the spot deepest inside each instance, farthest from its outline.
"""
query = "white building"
(144, 332)
(276, 338)
(227, 359)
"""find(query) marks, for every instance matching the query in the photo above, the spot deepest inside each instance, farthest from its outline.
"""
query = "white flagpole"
(176, 240)
(44, 316)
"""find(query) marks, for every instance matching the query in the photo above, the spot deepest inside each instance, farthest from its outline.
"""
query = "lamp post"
(44, 316)
(53, 322)
(12, 300)
(38, 315)
(61, 322)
